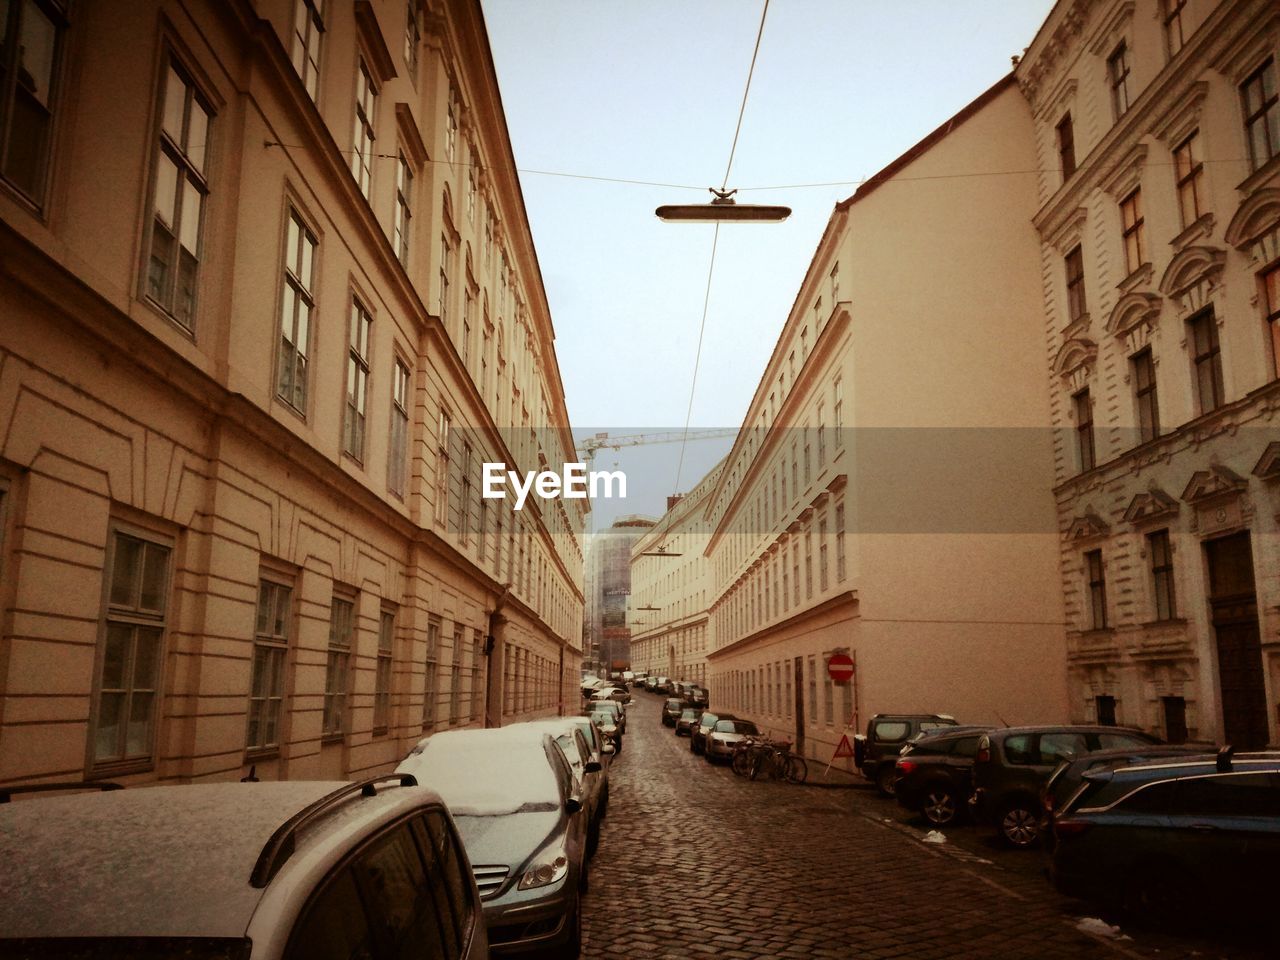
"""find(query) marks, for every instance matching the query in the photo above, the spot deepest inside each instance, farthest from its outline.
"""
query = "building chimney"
(673, 500)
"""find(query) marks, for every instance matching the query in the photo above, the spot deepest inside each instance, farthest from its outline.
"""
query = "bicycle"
(777, 762)
(744, 753)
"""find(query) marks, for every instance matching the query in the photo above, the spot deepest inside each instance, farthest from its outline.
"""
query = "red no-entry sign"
(840, 667)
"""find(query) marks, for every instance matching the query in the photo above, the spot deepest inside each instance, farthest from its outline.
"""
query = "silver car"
(725, 736)
(237, 871)
(523, 820)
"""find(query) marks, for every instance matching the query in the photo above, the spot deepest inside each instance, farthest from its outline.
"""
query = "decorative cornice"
(1217, 481)
(384, 67)
(1258, 214)
(1089, 526)
(1106, 37)
(1190, 267)
(1131, 310)
(1182, 116)
(410, 134)
(1125, 172)
(1268, 466)
(1073, 355)
(1152, 505)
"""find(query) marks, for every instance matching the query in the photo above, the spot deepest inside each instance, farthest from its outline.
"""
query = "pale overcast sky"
(650, 90)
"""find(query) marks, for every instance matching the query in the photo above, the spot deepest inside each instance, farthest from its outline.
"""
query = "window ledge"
(1171, 622)
(1201, 227)
(258, 754)
(122, 768)
(332, 738)
(1139, 277)
(1260, 176)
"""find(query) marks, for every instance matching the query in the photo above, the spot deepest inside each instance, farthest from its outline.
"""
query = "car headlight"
(550, 866)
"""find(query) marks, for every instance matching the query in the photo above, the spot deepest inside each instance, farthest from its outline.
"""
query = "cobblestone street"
(696, 862)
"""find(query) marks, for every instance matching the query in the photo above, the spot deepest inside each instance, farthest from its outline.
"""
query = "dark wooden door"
(1234, 604)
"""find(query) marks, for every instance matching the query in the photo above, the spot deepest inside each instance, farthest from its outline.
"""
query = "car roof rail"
(101, 785)
(1224, 758)
(279, 847)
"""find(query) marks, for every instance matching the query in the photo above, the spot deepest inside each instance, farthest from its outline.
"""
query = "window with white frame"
(1261, 114)
(362, 136)
(1206, 359)
(382, 674)
(178, 193)
(443, 426)
(1131, 222)
(357, 381)
(31, 36)
(270, 648)
(431, 678)
(822, 553)
(1188, 168)
(398, 449)
(1161, 557)
(1271, 303)
(840, 568)
(477, 686)
(1171, 13)
(124, 720)
(298, 304)
(412, 39)
(308, 28)
(1096, 578)
(337, 682)
(403, 216)
(455, 676)
(1118, 79)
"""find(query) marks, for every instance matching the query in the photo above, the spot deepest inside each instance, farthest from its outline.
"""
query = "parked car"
(725, 735)
(698, 734)
(608, 725)
(525, 826)
(699, 696)
(611, 693)
(1166, 839)
(613, 707)
(1013, 763)
(588, 768)
(687, 720)
(211, 870)
(1069, 774)
(876, 751)
(671, 711)
(661, 686)
(935, 773)
(651, 684)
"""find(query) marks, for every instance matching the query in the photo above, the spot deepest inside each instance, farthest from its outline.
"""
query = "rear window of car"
(966, 746)
(1062, 746)
(1229, 795)
(689, 715)
(891, 730)
(674, 702)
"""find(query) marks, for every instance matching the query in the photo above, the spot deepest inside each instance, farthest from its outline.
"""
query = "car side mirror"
(573, 804)
(593, 766)
(608, 748)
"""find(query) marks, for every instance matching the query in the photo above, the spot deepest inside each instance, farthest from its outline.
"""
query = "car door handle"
(1203, 827)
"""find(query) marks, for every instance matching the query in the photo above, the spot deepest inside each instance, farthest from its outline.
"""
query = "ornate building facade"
(270, 299)
(1158, 140)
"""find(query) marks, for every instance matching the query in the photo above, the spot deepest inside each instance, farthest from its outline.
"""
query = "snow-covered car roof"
(489, 772)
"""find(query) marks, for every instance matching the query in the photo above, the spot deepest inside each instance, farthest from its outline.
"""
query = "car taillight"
(906, 767)
(984, 756)
(1070, 828)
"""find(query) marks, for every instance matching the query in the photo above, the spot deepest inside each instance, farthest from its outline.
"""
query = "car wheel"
(1019, 825)
(940, 807)
(884, 780)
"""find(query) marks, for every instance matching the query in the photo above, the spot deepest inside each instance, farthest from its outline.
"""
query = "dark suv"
(875, 752)
(1013, 763)
(935, 773)
(1174, 838)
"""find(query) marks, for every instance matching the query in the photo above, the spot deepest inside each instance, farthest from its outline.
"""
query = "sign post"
(840, 670)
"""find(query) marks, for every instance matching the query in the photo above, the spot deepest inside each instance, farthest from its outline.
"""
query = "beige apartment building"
(671, 587)
(889, 495)
(269, 298)
(1157, 131)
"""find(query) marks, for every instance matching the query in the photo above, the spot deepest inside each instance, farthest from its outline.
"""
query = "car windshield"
(709, 719)
(128, 948)
(689, 715)
(485, 775)
(736, 726)
(604, 719)
(673, 702)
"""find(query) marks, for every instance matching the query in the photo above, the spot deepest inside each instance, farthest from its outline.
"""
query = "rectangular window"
(1189, 168)
(337, 681)
(813, 691)
(1162, 574)
(430, 684)
(1207, 360)
(451, 127)
(840, 568)
(795, 572)
(837, 411)
(270, 645)
(31, 42)
(477, 688)
(1271, 300)
(808, 564)
(382, 676)
(822, 554)
(1075, 285)
(178, 197)
(1097, 589)
(821, 426)
(295, 312)
(404, 208)
(1173, 38)
(1261, 114)
(1105, 707)
(362, 136)
(1144, 388)
(464, 527)
(786, 699)
(1175, 719)
(397, 454)
(129, 669)
(1084, 430)
(1131, 221)
(357, 381)
(446, 271)
(442, 468)
(412, 38)
(308, 27)
(1118, 76)
(455, 676)
(1066, 146)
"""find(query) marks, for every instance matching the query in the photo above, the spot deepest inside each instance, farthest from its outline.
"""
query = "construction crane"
(602, 441)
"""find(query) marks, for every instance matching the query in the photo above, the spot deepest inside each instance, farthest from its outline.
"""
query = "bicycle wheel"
(742, 762)
(797, 769)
